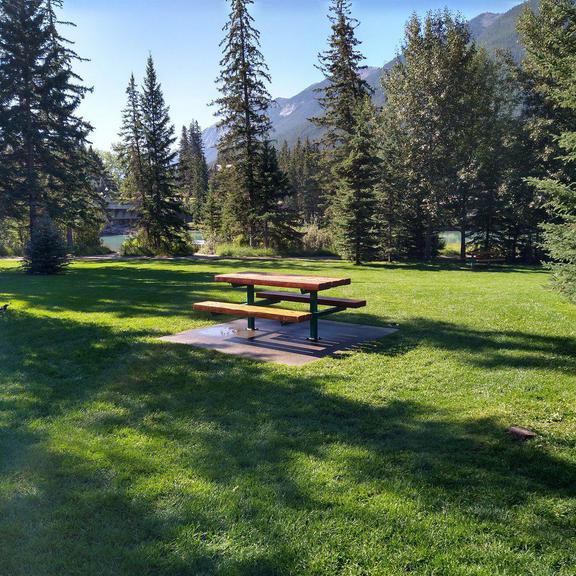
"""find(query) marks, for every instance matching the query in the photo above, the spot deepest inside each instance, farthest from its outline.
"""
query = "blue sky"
(183, 37)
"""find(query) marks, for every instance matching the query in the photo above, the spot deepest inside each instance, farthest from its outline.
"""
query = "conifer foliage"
(150, 162)
(550, 39)
(341, 65)
(46, 252)
(253, 210)
(277, 218)
(354, 205)
(193, 171)
(242, 108)
(43, 152)
(349, 152)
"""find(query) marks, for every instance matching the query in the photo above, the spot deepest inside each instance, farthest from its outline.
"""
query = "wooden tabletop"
(315, 283)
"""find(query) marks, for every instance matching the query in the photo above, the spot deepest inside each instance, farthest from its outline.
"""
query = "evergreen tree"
(345, 89)
(131, 149)
(184, 169)
(354, 203)
(46, 252)
(44, 139)
(310, 197)
(430, 92)
(193, 170)
(550, 39)
(301, 165)
(242, 108)
(395, 209)
(341, 65)
(162, 214)
(277, 218)
(212, 213)
(150, 165)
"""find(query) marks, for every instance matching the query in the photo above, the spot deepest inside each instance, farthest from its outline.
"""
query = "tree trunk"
(463, 242)
(428, 240)
(69, 238)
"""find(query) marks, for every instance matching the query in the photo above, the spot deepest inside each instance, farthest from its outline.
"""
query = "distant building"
(122, 218)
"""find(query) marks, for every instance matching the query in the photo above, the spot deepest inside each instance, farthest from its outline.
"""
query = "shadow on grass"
(121, 456)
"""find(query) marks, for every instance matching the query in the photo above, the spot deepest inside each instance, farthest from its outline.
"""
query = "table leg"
(314, 320)
(250, 299)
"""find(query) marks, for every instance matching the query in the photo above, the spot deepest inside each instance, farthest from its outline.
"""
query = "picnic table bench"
(483, 258)
(309, 287)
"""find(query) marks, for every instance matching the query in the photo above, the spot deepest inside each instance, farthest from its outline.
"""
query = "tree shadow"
(489, 349)
(125, 456)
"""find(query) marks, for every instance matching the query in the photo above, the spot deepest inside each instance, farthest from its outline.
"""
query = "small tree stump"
(521, 433)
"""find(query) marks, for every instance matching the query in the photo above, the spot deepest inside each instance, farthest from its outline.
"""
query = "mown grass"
(121, 455)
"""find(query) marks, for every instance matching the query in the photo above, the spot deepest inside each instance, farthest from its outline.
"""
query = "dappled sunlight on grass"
(124, 455)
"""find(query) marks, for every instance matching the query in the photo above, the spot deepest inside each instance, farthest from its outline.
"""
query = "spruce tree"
(310, 198)
(354, 207)
(212, 214)
(131, 149)
(345, 89)
(550, 40)
(341, 65)
(150, 162)
(197, 172)
(46, 252)
(242, 108)
(45, 156)
(395, 209)
(277, 217)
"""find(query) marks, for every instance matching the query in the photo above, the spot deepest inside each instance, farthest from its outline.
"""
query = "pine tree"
(149, 164)
(194, 170)
(131, 149)
(353, 214)
(212, 214)
(341, 65)
(45, 155)
(550, 39)
(277, 218)
(46, 252)
(242, 108)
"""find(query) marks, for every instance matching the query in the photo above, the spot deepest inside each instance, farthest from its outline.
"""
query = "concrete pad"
(273, 342)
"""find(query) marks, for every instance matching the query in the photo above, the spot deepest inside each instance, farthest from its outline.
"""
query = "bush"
(317, 241)
(46, 252)
(139, 246)
(135, 246)
(92, 250)
(13, 238)
(238, 251)
(87, 241)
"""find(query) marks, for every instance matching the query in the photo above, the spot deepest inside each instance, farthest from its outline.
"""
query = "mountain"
(290, 116)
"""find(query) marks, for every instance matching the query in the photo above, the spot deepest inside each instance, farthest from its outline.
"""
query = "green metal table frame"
(314, 311)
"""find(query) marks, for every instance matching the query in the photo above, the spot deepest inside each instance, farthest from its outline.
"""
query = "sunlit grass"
(121, 455)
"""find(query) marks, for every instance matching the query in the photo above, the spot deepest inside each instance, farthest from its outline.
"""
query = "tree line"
(460, 136)
(465, 140)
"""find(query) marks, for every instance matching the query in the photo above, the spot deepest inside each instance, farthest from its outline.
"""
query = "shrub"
(13, 238)
(135, 246)
(46, 252)
(92, 250)
(234, 250)
(317, 241)
(139, 246)
(87, 241)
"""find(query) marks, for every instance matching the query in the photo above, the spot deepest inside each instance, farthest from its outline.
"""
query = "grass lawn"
(121, 455)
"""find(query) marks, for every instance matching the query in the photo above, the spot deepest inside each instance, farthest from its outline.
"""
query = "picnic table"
(309, 287)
